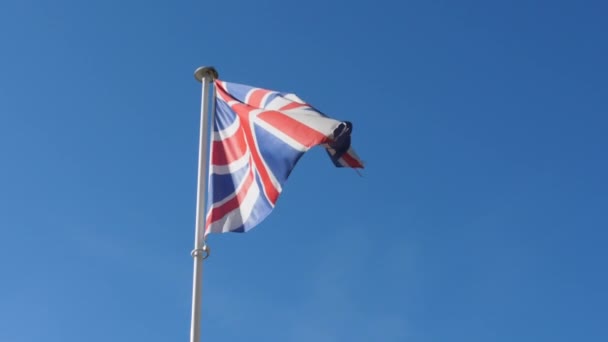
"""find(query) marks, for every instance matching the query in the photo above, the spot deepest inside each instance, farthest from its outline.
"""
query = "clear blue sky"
(481, 216)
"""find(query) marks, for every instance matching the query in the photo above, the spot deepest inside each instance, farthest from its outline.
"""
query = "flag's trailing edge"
(258, 137)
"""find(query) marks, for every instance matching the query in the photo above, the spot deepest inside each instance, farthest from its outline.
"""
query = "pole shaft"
(199, 244)
(195, 328)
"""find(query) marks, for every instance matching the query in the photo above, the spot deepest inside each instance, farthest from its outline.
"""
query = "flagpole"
(205, 75)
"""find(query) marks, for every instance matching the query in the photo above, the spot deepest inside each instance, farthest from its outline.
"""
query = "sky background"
(481, 215)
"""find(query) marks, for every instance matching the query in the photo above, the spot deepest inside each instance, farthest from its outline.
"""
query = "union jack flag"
(258, 137)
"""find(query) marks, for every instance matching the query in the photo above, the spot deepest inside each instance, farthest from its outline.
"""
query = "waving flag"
(258, 137)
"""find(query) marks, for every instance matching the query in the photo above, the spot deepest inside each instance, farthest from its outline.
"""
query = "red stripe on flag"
(256, 96)
(221, 91)
(298, 131)
(218, 213)
(352, 161)
(230, 149)
(242, 110)
(293, 105)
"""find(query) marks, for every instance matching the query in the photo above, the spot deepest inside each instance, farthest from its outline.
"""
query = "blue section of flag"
(239, 91)
(279, 156)
(224, 116)
(223, 185)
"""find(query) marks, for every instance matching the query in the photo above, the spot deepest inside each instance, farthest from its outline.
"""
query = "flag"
(258, 135)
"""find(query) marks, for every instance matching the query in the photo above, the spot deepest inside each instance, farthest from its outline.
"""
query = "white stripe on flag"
(232, 167)
(314, 120)
(228, 131)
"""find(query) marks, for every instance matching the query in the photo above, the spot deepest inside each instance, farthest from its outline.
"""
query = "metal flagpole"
(205, 75)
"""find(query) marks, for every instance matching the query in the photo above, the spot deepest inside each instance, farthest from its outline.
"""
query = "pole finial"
(202, 72)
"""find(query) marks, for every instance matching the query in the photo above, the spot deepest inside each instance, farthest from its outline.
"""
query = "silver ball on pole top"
(205, 71)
